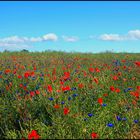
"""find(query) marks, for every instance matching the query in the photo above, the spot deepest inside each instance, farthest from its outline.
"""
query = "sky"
(82, 26)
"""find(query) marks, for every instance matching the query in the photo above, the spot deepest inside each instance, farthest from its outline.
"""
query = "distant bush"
(24, 50)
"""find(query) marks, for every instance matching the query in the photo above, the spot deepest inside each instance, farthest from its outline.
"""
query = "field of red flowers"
(56, 95)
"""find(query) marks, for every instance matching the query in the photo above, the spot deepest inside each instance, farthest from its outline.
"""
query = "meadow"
(57, 95)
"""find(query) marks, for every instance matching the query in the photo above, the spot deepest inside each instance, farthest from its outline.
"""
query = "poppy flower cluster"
(33, 135)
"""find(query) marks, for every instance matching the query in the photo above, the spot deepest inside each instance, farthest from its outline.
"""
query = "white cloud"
(14, 39)
(131, 35)
(24, 42)
(17, 39)
(134, 34)
(110, 37)
(35, 39)
(50, 36)
(70, 39)
(13, 46)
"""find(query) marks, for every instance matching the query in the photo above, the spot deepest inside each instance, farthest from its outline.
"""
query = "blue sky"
(70, 26)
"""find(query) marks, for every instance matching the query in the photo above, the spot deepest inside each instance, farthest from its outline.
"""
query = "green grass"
(20, 113)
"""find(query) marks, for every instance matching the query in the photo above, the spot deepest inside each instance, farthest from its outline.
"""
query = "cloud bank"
(16, 42)
(23, 42)
(131, 35)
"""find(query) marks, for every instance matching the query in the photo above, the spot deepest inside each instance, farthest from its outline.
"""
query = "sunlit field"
(57, 95)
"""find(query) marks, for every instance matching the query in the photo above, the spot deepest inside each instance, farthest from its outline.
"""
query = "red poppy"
(24, 87)
(94, 135)
(76, 79)
(7, 71)
(66, 88)
(123, 61)
(124, 67)
(80, 85)
(19, 76)
(138, 87)
(85, 74)
(34, 67)
(54, 78)
(78, 66)
(119, 73)
(100, 100)
(26, 74)
(66, 111)
(33, 134)
(91, 69)
(61, 82)
(95, 80)
(105, 94)
(135, 94)
(32, 73)
(112, 88)
(115, 77)
(32, 93)
(97, 70)
(21, 85)
(58, 90)
(117, 90)
(56, 106)
(49, 88)
(137, 63)
(37, 92)
(15, 71)
(66, 75)
(134, 102)
(23, 67)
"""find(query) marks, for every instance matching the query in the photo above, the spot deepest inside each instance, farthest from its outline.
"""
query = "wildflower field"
(57, 95)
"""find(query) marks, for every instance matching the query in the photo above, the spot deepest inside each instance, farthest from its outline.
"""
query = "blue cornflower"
(136, 121)
(74, 88)
(118, 118)
(117, 63)
(25, 84)
(27, 92)
(129, 88)
(90, 114)
(17, 121)
(85, 119)
(69, 98)
(51, 98)
(125, 90)
(62, 102)
(104, 104)
(124, 119)
(74, 95)
(110, 125)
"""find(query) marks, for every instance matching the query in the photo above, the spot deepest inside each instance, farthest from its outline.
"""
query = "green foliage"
(20, 113)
